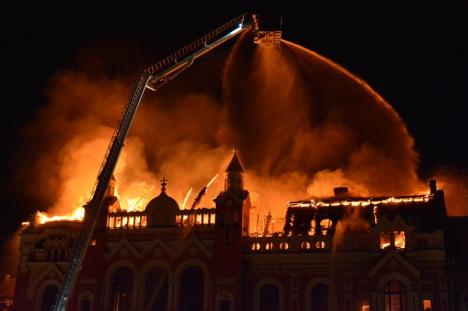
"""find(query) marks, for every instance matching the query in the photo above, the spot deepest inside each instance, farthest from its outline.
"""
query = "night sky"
(415, 57)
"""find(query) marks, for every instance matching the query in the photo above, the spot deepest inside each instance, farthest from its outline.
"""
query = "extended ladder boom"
(152, 78)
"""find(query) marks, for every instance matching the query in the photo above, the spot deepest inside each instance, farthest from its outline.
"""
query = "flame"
(212, 181)
(277, 177)
(186, 198)
(76, 215)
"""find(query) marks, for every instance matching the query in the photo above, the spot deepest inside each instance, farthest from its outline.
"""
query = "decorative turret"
(234, 175)
(231, 228)
(162, 210)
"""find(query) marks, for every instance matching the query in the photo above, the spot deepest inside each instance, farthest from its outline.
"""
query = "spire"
(234, 165)
(163, 184)
(234, 179)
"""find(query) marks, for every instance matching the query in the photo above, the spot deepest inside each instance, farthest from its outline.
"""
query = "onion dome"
(162, 210)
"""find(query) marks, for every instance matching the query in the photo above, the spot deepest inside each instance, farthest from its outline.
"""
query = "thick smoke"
(301, 123)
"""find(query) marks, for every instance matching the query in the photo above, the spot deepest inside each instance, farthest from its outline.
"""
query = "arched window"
(48, 297)
(122, 287)
(395, 296)
(85, 305)
(319, 298)
(192, 289)
(156, 289)
(269, 298)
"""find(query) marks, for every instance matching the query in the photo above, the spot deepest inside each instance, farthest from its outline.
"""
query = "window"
(399, 237)
(122, 286)
(255, 246)
(396, 239)
(305, 245)
(192, 289)
(384, 239)
(319, 298)
(225, 305)
(320, 245)
(395, 296)
(427, 305)
(325, 225)
(85, 305)
(269, 246)
(48, 297)
(156, 288)
(269, 298)
(365, 305)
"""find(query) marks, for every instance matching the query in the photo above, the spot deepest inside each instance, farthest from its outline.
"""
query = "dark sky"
(415, 57)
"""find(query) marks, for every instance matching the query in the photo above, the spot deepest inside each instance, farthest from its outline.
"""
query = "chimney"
(341, 191)
(433, 186)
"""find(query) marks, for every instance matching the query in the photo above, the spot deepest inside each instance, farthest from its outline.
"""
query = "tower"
(232, 224)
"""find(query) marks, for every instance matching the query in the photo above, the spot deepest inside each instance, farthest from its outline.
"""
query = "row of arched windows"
(394, 297)
(156, 289)
(192, 292)
(269, 298)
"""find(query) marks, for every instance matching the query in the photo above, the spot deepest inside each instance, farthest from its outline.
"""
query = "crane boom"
(151, 78)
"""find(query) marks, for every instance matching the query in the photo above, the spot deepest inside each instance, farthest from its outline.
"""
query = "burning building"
(337, 253)
(349, 251)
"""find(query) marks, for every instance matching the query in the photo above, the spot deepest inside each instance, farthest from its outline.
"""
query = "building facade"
(340, 253)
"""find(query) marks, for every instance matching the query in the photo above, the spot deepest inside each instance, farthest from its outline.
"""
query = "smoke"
(352, 221)
(302, 124)
(453, 181)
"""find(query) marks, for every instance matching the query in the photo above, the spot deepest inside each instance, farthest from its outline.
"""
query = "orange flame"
(212, 181)
(76, 215)
(186, 198)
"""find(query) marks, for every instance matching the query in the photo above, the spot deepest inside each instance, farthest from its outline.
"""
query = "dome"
(162, 210)
(162, 202)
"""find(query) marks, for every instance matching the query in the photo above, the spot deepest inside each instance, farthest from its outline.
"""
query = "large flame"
(76, 215)
(302, 124)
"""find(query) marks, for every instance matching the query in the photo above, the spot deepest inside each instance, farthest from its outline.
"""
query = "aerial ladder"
(152, 78)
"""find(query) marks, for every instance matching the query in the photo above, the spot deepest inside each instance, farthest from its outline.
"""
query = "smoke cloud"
(301, 123)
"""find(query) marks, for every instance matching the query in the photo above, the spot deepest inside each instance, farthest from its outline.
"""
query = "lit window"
(255, 246)
(320, 245)
(384, 239)
(427, 305)
(312, 227)
(399, 239)
(284, 245)
(305, 245)
(325, 225)
(395, 296)
(365, 306)
(269, 246)
(93, 242)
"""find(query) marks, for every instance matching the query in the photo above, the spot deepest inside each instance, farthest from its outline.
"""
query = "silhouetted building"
(339, 253)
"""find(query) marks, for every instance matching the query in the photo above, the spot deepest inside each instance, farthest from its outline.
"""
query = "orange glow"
(76, 215)
(399, 239)
(274, 177)
(184, 203)
(427, 305)
(212, 181)
(384, 240)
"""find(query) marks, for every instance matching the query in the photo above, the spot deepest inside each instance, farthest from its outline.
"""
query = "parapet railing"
(127, 220)
(139, 219)
(196, 217)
